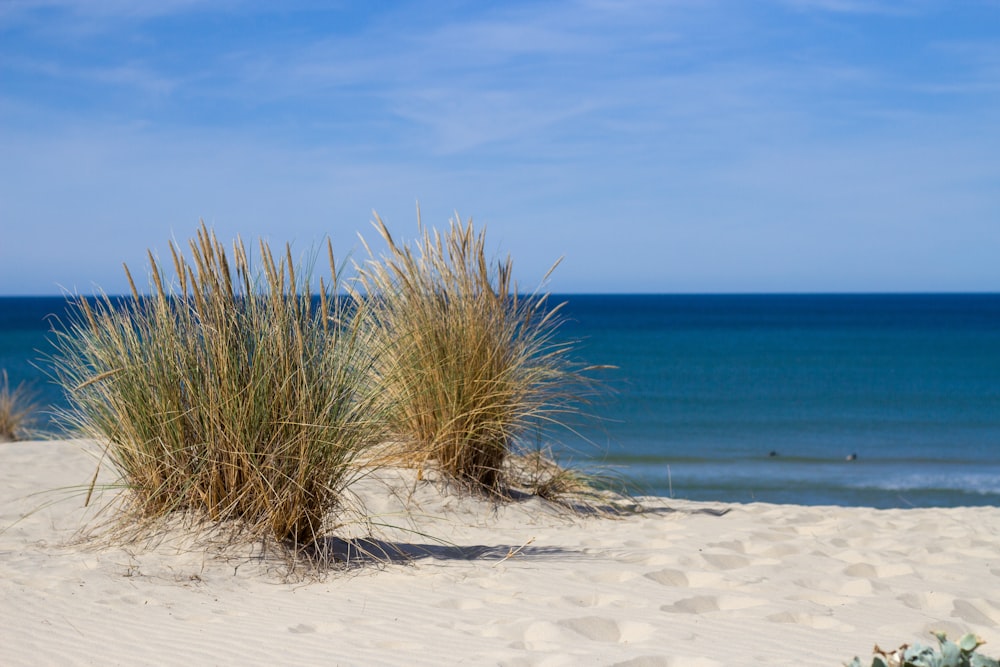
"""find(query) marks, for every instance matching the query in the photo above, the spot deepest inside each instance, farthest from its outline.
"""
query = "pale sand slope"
(761, 585)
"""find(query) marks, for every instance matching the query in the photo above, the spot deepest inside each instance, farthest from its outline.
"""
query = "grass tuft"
(225, 394)
(18, 409)
(593, 493)
(467, 366)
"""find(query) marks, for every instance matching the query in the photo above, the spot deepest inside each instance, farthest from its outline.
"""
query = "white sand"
(761, 585)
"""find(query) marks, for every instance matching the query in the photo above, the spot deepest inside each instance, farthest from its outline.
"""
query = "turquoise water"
(708, 387)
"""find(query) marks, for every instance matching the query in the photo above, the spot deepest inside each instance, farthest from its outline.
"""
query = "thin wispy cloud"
(108, 11)
(886, 7)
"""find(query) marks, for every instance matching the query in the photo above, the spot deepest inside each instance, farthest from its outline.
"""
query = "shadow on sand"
(370, 550)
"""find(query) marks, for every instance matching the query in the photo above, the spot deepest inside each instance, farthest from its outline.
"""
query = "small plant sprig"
(947, 654)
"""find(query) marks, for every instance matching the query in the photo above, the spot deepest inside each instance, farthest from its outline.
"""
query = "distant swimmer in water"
(773, 453)
(851, 457)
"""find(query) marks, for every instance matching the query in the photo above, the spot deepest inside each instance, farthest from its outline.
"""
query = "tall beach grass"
(469, 369)
(227, 393)
(18, 409)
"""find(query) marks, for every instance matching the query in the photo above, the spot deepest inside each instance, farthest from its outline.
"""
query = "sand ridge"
(684, 584)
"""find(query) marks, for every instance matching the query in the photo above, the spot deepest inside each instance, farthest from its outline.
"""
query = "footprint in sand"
(732, 545)
(668, 577)
(691, 579)
(701, 604)
(726, 561)
(861, 570)
(601, 629)
(594, 627)
(980, 612)
(645, 661)
(648, 558)
(660, 661)
(936, 602)
(868, 571)
(546, 635)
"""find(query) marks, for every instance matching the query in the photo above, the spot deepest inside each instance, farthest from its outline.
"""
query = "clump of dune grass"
(467, 366)
(18, 409)
(227, 394)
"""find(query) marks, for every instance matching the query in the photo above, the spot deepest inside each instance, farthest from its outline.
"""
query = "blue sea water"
(708, 387)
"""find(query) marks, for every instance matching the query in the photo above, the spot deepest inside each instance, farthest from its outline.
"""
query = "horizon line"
(633, 293)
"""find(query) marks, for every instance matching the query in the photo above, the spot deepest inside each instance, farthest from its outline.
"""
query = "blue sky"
(659, 146)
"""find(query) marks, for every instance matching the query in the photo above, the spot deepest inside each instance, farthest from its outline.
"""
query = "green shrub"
(229, 394)
(947, 654)
(466, 365)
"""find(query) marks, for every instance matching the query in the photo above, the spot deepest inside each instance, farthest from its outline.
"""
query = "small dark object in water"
(773, 453)
(851, 457)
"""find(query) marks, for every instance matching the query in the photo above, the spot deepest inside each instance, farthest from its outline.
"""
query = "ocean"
(744, 398)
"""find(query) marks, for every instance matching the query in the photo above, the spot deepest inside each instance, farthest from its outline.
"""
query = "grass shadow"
(374, 551)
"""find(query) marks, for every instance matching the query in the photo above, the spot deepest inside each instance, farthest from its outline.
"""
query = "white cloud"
(106, 9)
(137, 76)
(890, 7)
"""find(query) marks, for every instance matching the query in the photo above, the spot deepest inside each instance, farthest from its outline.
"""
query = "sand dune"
(683, 584)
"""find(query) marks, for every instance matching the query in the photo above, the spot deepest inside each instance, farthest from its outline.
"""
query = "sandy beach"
(682, 584)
